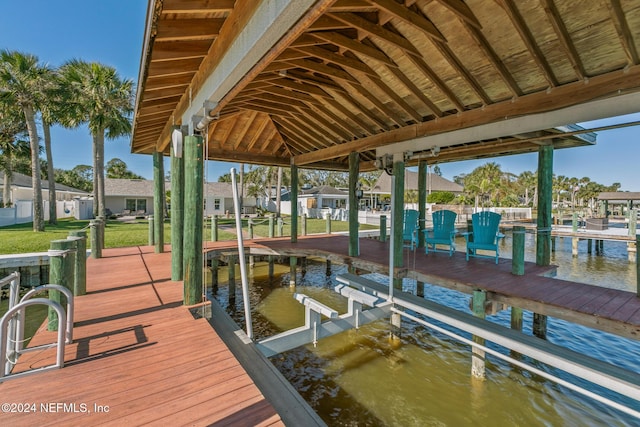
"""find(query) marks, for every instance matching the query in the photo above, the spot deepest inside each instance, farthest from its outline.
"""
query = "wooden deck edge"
(287, 402)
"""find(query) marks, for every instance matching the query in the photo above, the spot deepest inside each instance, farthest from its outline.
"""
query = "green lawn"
(22, 239)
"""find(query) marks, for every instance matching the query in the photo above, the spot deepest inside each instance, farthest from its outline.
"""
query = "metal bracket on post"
(193, 124)
(209, 106)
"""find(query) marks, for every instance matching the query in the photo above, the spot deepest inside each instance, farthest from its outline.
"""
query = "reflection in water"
(362, 377)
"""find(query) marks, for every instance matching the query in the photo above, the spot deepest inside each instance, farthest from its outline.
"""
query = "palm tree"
(13, 144)
(24, 81)
(104, 101)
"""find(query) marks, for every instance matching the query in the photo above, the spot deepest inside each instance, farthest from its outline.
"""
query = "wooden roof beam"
(276, 110)
(564, 38)
(620, 22)
(422, 66)
(415, 91)
(260, 159)
(261, 129)
(337, 131)
(384, 109)
(455, 63)
(300, 87)
(245, 128)
(415, 20)
(320, 68)
(286, 93)
(355, 46)
(197, 6)
(461, 9)
(374, 30)
(570, 103)
(398, 100)
(171, 50)
(348, 127)
(495, 60)
(189, 29)
(369, 114)
(529, 41)
(237, 58)
(341, 60)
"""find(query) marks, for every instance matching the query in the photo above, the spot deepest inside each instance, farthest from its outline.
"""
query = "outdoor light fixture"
(359, 192)
(385, 163)
(176, 140)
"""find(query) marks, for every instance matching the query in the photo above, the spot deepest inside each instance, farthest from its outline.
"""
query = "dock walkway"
(138, 357)
(609, 310)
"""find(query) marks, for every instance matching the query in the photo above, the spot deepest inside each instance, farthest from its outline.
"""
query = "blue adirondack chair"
(443, 233)
(410, 228)
(485, 234)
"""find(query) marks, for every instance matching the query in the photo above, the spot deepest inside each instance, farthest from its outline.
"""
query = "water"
(363, 377)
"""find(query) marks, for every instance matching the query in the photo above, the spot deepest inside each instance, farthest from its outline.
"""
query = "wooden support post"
(293, 264)
(280, 227)
(574, 246)
(231, 270)
(304, 224)
(420, 288)
(383, 228)
(62, 259)
(354, 170)
(80, 267)
(397, 213)
(303, 264)
(589, 245)
(553, 244)
(540, 325)
(271, 225)
(96, 250)
(328, 223)
(177, 214)
(574, 222)
(396, 328)
(328, 270)
(152, 234)
(214, 228)
(545, 195)
(637, 266)
(422, 200)
(250, 228)
(193, 219)
(158, 201)
(477, 357)
(517, 256)
(103, 224)
(294, 204)
(516, 318)
(214, 275)
(271, 267)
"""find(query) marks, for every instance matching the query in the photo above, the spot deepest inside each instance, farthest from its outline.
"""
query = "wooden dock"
(138, 357)
(609, 310)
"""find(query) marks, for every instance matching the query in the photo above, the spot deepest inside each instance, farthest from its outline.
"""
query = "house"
(70, 202)
(136, 196)
(21, 189)
(382, 187)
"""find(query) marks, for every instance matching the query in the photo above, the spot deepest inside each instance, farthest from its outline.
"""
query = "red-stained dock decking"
(138, 357)
(610, 310)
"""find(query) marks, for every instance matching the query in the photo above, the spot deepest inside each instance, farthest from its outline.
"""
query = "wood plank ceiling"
(367, 73)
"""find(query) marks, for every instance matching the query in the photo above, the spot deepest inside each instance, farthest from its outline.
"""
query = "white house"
(136, 196)
(70, 202)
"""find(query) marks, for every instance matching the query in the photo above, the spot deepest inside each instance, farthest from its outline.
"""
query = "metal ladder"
(12, 326)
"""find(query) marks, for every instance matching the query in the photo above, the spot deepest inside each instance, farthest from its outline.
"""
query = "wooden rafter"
(622, 27)
(411, 18)
(564, 38)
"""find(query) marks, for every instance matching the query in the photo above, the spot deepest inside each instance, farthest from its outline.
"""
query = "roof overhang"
(310, 81)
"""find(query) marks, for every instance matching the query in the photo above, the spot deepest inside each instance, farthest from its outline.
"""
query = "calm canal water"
(363, 377)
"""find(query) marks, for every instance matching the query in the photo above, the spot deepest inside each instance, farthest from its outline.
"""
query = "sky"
(111, 32)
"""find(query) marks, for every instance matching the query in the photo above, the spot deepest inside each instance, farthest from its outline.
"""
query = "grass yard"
(21, 238)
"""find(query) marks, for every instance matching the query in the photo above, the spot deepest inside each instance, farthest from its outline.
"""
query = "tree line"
(486, 185)
(34, 97)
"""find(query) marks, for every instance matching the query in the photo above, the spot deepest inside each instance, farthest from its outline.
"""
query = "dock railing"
(12, 326)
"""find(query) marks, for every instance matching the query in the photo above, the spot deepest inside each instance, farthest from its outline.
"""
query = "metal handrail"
(5, 372)
(70, 309)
